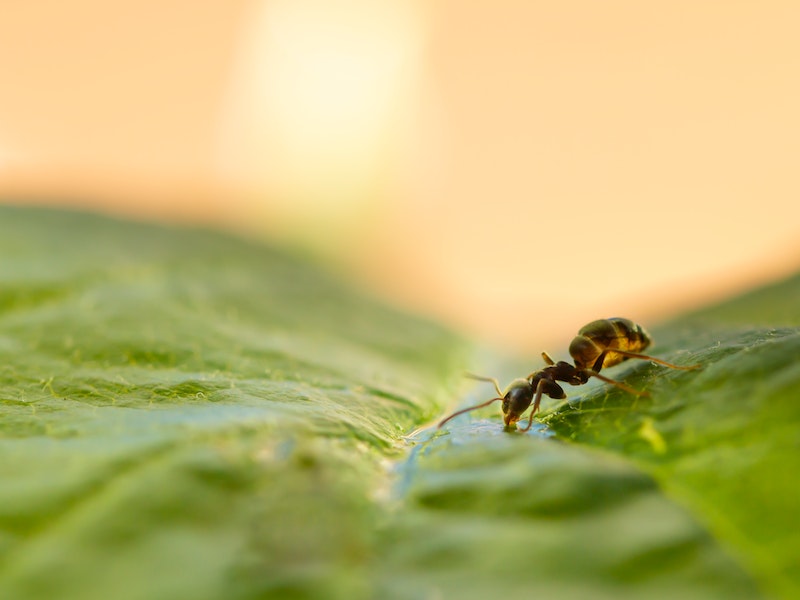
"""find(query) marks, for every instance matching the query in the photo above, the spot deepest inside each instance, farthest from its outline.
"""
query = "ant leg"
(464, 410)
(488, 380)
(536, 400)
(619, 384)
(655, 360)
(546, 358)
(598, 364)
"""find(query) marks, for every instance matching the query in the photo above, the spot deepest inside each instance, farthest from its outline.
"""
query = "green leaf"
(689, 492)
(188, 415)
(184, 414)
(722, 441)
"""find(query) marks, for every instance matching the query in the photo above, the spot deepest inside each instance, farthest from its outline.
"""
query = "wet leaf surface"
(186, 414)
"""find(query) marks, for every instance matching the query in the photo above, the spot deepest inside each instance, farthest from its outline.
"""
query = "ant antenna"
(468, 409)
(491, 380)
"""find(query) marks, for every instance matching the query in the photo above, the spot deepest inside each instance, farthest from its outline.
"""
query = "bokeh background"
(512, 168)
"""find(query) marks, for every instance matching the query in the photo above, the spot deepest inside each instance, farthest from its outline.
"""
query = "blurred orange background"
(514, 169)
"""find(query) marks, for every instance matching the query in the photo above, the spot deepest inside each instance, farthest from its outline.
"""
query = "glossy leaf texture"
(719, 445)
(722, 441)
(187, 414)
(184, 414)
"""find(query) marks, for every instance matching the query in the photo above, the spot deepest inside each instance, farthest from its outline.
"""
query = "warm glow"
(314, 101)
(514, 169)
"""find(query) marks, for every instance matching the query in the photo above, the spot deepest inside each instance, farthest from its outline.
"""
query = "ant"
(601, 343)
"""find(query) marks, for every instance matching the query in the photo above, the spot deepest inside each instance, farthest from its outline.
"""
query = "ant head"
(516, 401)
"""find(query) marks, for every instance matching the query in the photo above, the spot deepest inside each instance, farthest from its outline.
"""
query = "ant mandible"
(601, 343)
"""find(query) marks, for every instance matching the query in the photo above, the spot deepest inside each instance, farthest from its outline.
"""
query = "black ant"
(601, 343)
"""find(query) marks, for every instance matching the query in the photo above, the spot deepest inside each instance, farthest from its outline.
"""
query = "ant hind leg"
(627, 354)
(614, 382)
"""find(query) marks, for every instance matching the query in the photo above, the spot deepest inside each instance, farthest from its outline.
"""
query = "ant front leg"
(536, 401)
(544, 386)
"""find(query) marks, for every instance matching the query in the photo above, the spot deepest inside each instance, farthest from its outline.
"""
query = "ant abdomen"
(595, 343)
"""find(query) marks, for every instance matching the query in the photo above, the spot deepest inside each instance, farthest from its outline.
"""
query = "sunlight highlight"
(313, 104)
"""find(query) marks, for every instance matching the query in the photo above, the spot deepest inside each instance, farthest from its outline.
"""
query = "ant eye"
(505, 405)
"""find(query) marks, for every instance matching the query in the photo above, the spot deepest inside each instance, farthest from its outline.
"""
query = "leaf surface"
(187, 414)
